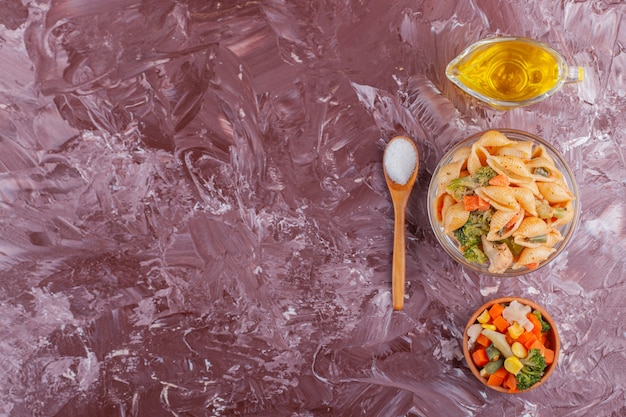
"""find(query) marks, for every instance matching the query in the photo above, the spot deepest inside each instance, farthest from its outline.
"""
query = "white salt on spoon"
(400, 164)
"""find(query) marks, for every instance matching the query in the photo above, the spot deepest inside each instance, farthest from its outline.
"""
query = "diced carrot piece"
(549, 356)
(480, 357)
(509, 339)
(536, 323)
(501, 373)
(532, 265)
(496, 310)
(474, 202)
(500, 179)
(483, 205)
(483, 340)
(498, 377)
(510, 382)
(495, 380)
(470, 202)
(532, 339)
(501, 324)
(538, 345)
(546, 341)
(523, 338)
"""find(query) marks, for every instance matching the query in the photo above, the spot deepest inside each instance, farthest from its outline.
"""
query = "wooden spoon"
(400, 172)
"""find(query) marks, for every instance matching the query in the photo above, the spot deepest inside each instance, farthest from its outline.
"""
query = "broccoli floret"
(477, 225)
(532, 371)
(463, 186)
(460, 191)
(483, 175)
(475, 254)
(469, 235)
(544, 325)
(460, 187)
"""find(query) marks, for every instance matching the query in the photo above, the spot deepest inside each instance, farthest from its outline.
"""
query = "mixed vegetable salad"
(508, 343)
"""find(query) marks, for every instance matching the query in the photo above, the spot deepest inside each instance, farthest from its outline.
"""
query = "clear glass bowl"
(451, 245)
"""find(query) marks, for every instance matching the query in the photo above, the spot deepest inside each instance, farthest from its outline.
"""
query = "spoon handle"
(399, 260)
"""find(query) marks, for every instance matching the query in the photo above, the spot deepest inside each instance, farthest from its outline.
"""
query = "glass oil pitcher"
(508, 72)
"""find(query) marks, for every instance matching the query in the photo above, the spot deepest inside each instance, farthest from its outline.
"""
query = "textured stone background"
(194, 220)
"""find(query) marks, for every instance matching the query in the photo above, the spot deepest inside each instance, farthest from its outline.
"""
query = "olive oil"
(510, 72)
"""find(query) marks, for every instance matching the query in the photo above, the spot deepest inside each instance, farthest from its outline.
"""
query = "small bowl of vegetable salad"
(511, 345)
(503, 202)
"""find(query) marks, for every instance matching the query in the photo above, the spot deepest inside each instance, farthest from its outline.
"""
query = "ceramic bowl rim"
(547, 317)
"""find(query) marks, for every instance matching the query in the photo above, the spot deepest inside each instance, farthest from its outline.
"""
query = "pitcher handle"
(575, 75)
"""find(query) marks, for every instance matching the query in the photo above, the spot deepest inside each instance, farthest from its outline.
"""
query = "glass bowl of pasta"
(503, 202)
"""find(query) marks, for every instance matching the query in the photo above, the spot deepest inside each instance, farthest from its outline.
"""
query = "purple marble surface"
(194, 219)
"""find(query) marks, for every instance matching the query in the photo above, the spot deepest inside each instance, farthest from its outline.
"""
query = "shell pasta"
(503, 201)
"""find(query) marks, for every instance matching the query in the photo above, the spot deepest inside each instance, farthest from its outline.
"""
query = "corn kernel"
(513, 364)
(489, 326)
(519, 350)
(515, 330)
(484, 317)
